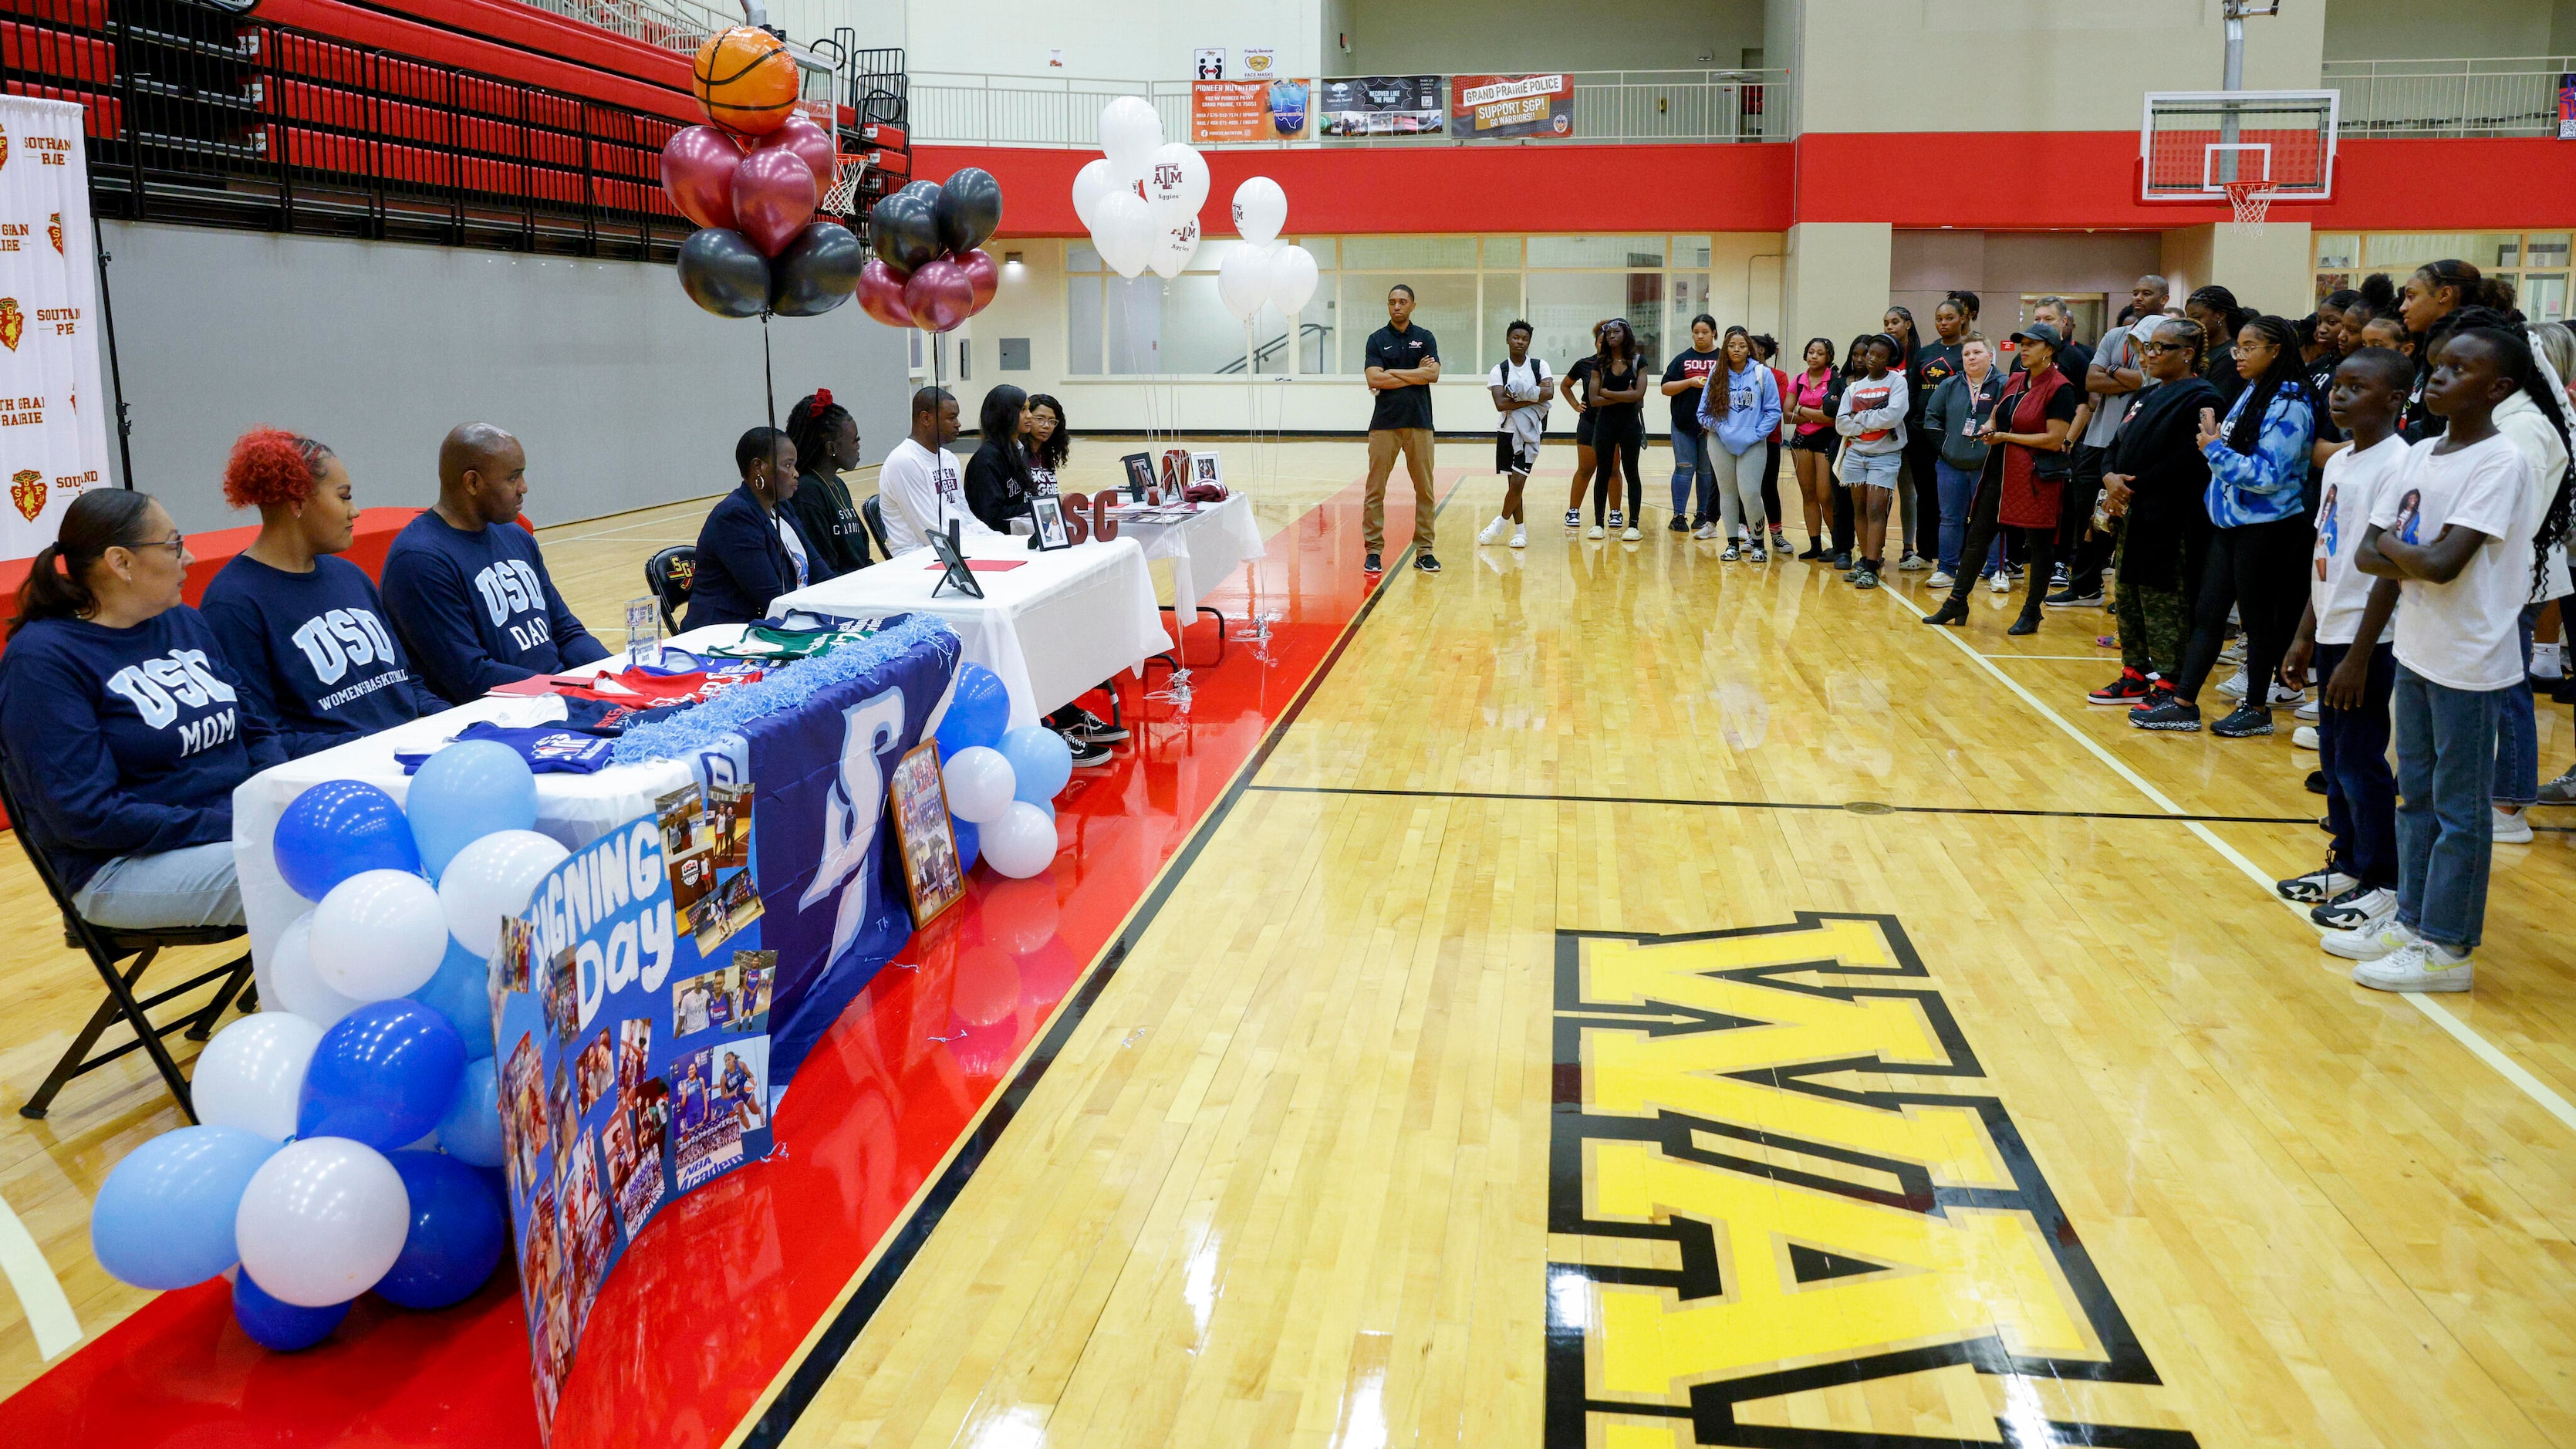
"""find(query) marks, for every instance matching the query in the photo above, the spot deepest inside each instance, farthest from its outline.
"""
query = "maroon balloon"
(982, 274)
(881, 294)
(773, 197)
(810, 141)
(697, 170)
(939, 296)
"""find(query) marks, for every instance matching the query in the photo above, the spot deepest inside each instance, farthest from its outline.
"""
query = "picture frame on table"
(931, 872)
(944, 543)
(1205, 468)
(1046, 517)
(1140, 474)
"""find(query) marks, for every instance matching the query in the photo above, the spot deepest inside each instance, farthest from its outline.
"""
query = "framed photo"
(930, 869)
(1140, 474)
(1204, 468)
(1047, 513)
(944, 544)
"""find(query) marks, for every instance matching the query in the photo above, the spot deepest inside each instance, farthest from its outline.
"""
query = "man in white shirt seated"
(921, 484)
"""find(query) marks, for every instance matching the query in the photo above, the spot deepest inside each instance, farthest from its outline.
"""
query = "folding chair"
(669, 574)
(106, 948)
(873, 510)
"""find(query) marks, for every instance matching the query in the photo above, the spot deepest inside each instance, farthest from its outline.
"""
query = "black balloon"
(969, 210)
(723, 272)
(818, 271)
(904, 229)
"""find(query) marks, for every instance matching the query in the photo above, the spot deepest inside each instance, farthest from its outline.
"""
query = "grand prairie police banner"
(53, 409)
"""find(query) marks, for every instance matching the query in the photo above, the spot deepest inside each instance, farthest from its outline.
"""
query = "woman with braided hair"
(827, 444)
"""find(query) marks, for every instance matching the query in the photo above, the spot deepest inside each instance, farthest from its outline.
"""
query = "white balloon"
(1019, 845)
(1180, 177)
(979, 782)
(1260, 209)
(492, 878)
(1090, 184)
(322, 1221)
(1293, 276)
(1124, 234)
(251, 1074)
(1173, 249)
(1243, 280)
(299, 987)
(378, 935)
(1130, 132)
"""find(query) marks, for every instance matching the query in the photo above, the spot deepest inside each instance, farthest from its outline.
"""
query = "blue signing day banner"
(656, 997)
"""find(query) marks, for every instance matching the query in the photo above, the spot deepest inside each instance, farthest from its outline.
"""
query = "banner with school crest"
(53, 408)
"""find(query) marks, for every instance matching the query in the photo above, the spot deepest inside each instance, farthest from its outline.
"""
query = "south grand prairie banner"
(53, 408)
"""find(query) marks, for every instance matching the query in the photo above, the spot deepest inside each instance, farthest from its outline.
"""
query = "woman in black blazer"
(751, 548)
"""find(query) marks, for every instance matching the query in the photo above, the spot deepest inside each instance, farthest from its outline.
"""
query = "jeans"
(2259, 569)
(2517, 772)
(2445, 773)
(1958, 490)
(1693, 459)
(2352, 751)
(1872, 470)
(1985, 530)
(1739, 490)
(191, 886)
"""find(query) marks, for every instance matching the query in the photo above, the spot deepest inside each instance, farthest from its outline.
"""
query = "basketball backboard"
(2192, 144)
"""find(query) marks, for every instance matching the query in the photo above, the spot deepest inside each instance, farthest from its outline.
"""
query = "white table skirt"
(1053, 628)
(1203, 548)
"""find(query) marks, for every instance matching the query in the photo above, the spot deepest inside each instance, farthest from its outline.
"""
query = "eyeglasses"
(177, 543)
(2162, 347)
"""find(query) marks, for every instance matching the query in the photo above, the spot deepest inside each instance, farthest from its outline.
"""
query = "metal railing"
(682, 25)
(1609, 106)
(2513, 96)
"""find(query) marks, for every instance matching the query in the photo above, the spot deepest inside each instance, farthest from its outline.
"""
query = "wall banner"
(1379, 105)
(1493, 107)
(53, 406)
(1245, 111)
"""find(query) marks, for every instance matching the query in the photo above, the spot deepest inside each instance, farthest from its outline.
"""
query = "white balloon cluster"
(1141, 199)
(1258, 272)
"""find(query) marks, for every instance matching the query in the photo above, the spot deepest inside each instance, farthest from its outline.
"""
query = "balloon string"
(768, 372)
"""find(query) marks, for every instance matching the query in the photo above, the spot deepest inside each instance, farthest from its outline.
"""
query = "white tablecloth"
(574, 809)
(1053, 628)
(1203, 548)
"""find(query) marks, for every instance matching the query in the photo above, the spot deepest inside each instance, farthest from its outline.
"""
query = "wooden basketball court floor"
(1634, 1000)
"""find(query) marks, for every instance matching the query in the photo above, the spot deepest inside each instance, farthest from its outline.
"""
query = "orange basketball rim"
(745, 80)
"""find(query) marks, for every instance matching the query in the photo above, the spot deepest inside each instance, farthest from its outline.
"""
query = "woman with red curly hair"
(305, 630)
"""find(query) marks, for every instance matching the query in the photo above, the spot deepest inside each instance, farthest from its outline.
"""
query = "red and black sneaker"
(2129, 688)
(2158, 695)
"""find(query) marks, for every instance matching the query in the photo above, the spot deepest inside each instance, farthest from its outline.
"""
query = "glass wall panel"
(1445, 304)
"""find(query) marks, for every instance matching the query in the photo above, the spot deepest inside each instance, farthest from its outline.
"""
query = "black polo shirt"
(1401, 407)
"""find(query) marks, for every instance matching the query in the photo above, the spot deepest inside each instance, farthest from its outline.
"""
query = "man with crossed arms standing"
(1403, 362)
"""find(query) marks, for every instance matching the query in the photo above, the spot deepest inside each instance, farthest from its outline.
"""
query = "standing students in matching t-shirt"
(1685, 382)
(1520, 387)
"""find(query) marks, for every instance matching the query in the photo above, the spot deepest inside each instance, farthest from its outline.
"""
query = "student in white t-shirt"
(2453, 529)
(921, 486)
(2344, 632)
(1520, 388)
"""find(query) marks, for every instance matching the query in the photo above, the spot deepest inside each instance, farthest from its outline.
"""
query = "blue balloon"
(970, 844)
(466, 792)
(164, 1217)
(277, 1326)
(1041, 759)
(336, 829)
(979, 709)
(383, 1075)
(457, 1233)
(461, 993)
(471, 1129)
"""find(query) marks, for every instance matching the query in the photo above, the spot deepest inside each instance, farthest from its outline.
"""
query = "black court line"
(1856, 807)
(816, 1367)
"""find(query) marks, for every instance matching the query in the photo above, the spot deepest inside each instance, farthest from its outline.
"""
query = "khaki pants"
(1383, 444)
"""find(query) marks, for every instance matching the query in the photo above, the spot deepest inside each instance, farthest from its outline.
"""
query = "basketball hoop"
(2251, 201)
(845, 186)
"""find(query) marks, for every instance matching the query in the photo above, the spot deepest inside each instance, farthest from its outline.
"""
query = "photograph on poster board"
(729, 821)
(1500, 107)
(594, 1074)
(1380, 105)
(930, 869)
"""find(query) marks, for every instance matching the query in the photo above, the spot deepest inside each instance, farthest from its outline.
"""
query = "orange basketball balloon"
(745, 81)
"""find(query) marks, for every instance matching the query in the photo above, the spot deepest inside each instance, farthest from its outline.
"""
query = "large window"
(2534, 261)
(1467, 291)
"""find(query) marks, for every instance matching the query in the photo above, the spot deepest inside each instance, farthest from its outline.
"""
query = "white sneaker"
(1593, 532)
(1617, 518)
(1520, 535)
(2544, 661)
(2510, 827)
(1631, 536)
(2311, 711)
(1493, 532)
(2368, 941)
(1912, 562)
(1705, 530)
(1574, 518)
(2234, 688)
(2304, 737)
(1939, 580)
(2419, 965)
(2284, 694)
(2000, 583)
(2234, 652)
(1756, 554)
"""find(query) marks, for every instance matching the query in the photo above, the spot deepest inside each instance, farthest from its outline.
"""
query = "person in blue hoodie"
(752, 548)
(1742, 424)
(124, 729)
(303, 629)
(466, 586)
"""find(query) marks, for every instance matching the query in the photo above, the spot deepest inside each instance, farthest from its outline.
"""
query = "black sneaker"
(1679, 524)
(1087, 755)
(2244, 721)
(2316, 782)
(1426, 563)
(2074, 596)
(2326, 883)
(1095, 729)
(1574, 518)
(2172, 715)
(1841, 559)
(1372, 566)
(2354, 908)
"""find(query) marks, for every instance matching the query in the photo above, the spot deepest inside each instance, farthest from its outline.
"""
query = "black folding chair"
(106, 948)
(668, 574)
(873, 510)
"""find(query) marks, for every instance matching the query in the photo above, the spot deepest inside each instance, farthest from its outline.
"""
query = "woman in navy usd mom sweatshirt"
(124, 728)
(305, 631)
(751, 549)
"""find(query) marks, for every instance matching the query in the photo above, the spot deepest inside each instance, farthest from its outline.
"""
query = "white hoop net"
(845, 187)
(2252, 203)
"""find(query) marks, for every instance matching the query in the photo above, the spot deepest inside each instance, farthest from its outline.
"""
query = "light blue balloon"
(461, 993)
(164, 1217)
(979, 709)
(471, 1130)
(1040, 759)
(465, 792)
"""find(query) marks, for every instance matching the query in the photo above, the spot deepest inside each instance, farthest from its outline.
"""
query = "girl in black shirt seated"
(827, 445)
(998, 485)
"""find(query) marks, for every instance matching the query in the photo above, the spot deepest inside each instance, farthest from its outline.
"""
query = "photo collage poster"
(632, 1007)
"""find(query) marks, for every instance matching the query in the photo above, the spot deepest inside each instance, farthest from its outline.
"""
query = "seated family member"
(305, 631)
(998, 482)
(125, 731)
(920, 484)
(751, 548)
(827, 445)
(466, 585)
